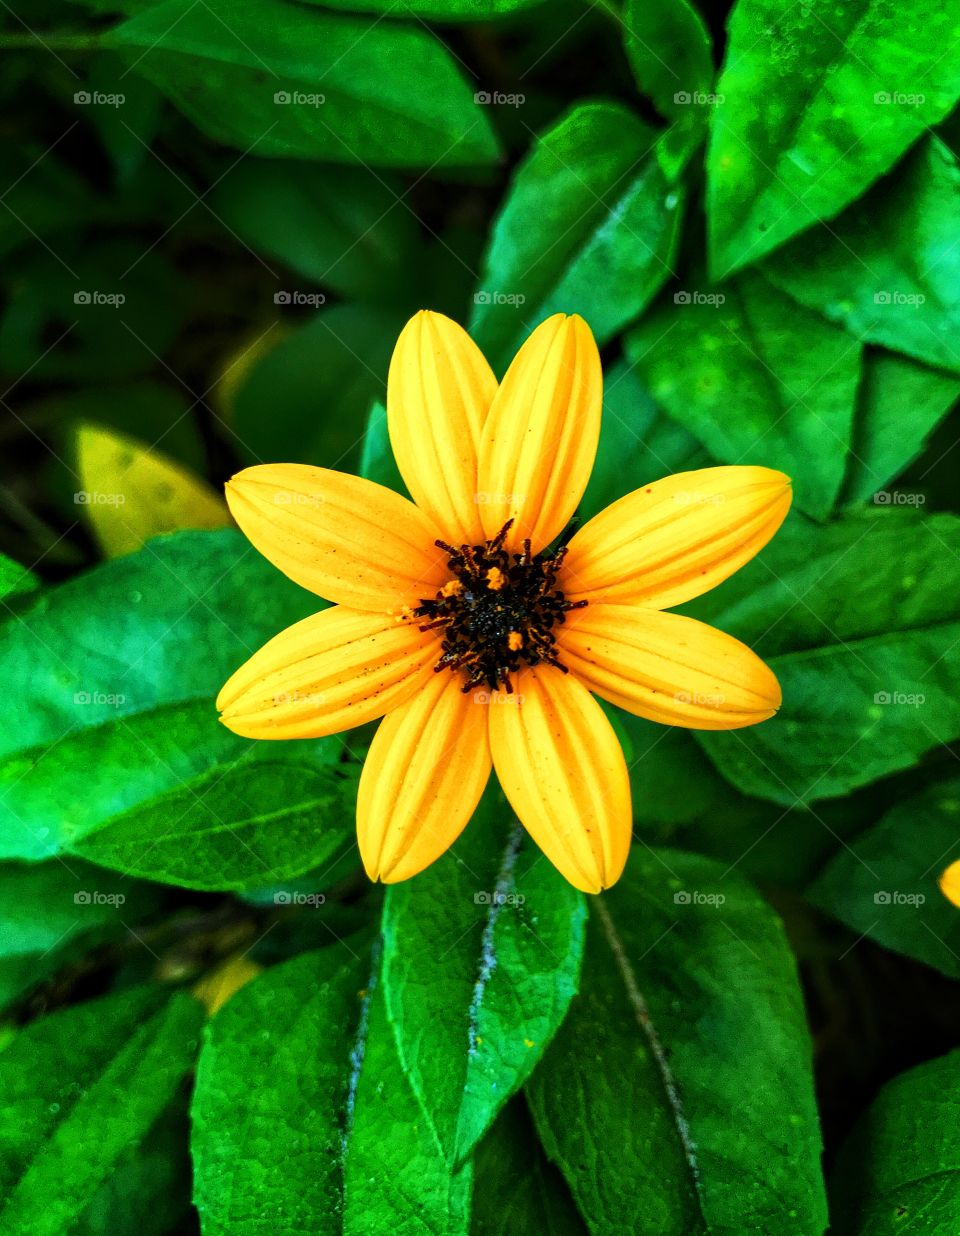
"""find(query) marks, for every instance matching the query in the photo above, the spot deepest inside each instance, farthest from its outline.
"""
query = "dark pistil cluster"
(497, 612)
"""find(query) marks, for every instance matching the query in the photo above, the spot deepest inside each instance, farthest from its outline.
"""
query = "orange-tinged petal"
(540, 438)
(423, 776)
(344, 538)
(439, 391)
(562, 769)
(667, 668)
(676, 538)
(330, 672)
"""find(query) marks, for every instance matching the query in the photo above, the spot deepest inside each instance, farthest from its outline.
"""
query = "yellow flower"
(949, 882)
(479, 646)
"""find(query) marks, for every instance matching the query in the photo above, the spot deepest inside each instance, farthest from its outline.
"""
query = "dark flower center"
(497, 612)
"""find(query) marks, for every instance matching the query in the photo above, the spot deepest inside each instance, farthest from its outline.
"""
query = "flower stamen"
(498, 612)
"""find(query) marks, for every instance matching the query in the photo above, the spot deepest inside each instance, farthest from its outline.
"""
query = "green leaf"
(671, 56)
(94, 1076)
(590, 225)
(281, 80)
(791, 376)
(376, 459)
(126, 128)
(481, 957)
(395, 1178)
(308, 397)
(331, 1133)
(888, 269)
(689, 1011)
(267, 1156)
(15, 579)
(818, 102)
(898, 1169)
(858, 620)
(269, 819)
(899, 404)
(883, 882)
(52, 912)
(515, 1188)
(638, 442)
(118, 670)
(344, 228)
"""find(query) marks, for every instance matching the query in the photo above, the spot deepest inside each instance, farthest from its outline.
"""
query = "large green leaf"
(331, 1133)
(77, 1090)
(898, 1170)
(757, 379)
(859, 621)
(889, 268)
(899, 403)
(281, 79)
(818, 101)
(589, 226)
(395, 1177)
(481, 957)
(671, 55)
(883, 882)
(117, 672)
(678, 1096)
(267, 1155)
(344, 228)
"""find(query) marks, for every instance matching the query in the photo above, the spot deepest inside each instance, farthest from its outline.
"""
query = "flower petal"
(540, 437)
(668, 668)
(330, 672)
(344, 538)
(439, 390)
(423, 776)
(562, 769)
(679, 537)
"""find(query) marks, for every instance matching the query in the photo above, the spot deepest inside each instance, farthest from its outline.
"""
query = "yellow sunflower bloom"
(480, 645)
